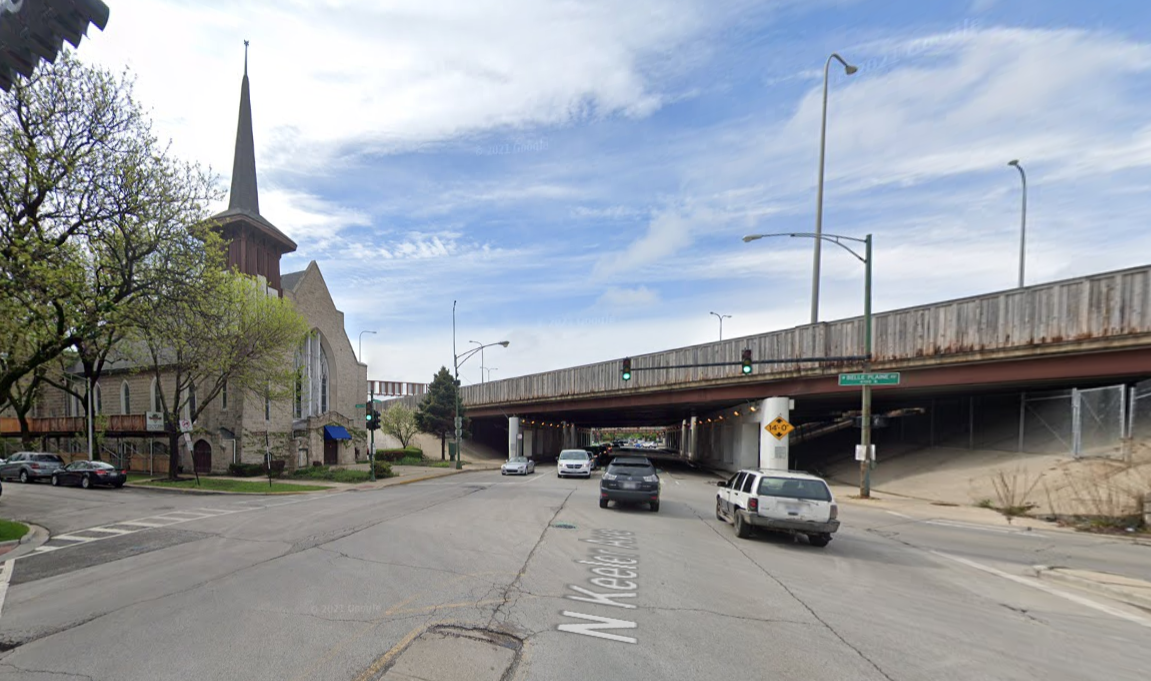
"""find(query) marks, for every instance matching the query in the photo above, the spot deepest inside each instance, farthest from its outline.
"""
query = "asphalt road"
(463, 576)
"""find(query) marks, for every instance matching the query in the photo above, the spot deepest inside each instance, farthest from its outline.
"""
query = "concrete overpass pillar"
(773, 453)
(683, 438)
(513, 436)
(693, 440)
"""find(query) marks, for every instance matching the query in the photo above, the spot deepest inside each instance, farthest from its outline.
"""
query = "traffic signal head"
(626, 373)
(747, 360)
(373, 419)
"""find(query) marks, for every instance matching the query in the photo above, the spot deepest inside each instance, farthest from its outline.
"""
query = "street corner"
(36, 537)
(1129, 590)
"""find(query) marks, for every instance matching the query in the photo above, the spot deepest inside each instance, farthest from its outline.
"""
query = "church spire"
(244, 195)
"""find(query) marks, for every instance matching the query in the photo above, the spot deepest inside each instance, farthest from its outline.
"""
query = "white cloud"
(307, 218)
(618, 298)
(413, 72)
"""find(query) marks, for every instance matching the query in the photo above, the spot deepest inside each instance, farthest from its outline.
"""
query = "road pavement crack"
(292, 613)
(514, 584)
(1024, 612)
(787, 589)
(23, 670)
(727, 615)
(392, 563)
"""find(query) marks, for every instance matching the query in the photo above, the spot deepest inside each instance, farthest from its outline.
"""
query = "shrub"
(331, 474)
(395, 455)
(383, 470)
(246, 470)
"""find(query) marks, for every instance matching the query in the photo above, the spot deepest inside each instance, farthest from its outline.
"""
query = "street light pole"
(362, 345)
(720, 317)
(481, 360)
(1022, 220)
(865, 396)
(819, 191)
(457, 360)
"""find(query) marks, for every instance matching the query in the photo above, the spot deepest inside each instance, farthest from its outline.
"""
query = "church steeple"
(254, 244)
(244, 194)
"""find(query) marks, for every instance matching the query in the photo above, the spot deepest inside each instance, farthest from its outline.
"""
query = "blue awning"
(336, 433)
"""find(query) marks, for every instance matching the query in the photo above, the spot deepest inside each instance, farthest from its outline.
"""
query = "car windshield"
(102, 465)
(794, 489)
(573, 456)
(519, 459)
(50, 458)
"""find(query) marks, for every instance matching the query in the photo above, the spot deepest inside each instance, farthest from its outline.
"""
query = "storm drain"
(563, 526)
(453, 653)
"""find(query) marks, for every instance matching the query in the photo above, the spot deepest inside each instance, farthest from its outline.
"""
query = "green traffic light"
(747, 368)
(627, 375)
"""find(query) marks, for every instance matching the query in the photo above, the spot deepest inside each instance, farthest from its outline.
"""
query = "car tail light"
(101, 473)
(753, 505)
(834, 511)
(35, 465)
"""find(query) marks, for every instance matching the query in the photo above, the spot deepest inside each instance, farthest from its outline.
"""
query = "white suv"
(780, 501)
(574, 462)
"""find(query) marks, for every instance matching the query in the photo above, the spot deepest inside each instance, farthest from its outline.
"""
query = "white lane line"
(5, 576)
(72, 537)
(981, 528)
(142, 523)
(901, 515)
(1036, 584)
(108, 529)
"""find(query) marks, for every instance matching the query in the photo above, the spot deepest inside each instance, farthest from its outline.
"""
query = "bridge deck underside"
(823, 394)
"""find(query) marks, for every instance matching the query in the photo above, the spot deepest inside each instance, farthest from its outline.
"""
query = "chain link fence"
(1139, 412)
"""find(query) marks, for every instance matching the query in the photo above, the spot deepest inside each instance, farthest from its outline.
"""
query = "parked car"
(574, 462)
(518, 465)
(29, 466)
(89, 473)
(630, 479)
(779, 501)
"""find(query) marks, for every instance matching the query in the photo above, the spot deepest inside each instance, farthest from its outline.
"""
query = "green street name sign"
(889, 378)
(359, 406)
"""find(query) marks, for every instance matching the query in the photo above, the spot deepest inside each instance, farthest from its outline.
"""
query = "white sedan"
(518, 465)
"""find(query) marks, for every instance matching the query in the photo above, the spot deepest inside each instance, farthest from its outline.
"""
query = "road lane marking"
(72, 537)
(155, 521)
(1036, 584)
(5, 576)
(901, 515)
(982, 528)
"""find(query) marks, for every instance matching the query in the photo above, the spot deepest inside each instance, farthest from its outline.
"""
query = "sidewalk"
(404, 475)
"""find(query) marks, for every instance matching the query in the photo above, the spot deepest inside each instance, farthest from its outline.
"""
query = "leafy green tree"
(399, 421)
(437, 411)
(90, 202)
(214, 328)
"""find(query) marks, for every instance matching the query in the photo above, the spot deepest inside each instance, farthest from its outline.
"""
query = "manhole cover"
(564, 526)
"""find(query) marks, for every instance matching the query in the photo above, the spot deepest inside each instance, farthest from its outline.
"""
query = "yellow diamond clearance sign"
(779, 427)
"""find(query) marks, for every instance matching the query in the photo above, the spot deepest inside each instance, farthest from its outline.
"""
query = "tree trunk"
(173, 452)
(26, 439)
(443, 444)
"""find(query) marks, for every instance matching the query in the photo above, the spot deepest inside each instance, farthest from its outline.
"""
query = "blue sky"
(578, 174)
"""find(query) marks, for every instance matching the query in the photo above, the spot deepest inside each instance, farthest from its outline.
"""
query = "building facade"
(318, 422)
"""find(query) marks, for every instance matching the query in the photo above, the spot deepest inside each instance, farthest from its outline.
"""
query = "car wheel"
(118, 485)
(85, 482)
(741, 528)
(603, 503)
(503, 472)
(719, 511)
(818, 540)
(654, 507)
(55, 481)
(24, 477)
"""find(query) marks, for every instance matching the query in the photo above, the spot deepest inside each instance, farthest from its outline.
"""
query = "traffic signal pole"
(372, 432)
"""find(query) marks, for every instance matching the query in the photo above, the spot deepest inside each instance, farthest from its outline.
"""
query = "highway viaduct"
(991, 350)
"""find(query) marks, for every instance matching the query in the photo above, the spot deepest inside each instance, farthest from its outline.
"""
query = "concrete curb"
(36, 537)
(423, 478)
(1110, 591)
(208, 492)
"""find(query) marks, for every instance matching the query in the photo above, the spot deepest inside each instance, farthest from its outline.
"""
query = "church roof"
(244, 197)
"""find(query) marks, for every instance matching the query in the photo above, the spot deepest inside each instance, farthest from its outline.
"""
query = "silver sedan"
(518, 465)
